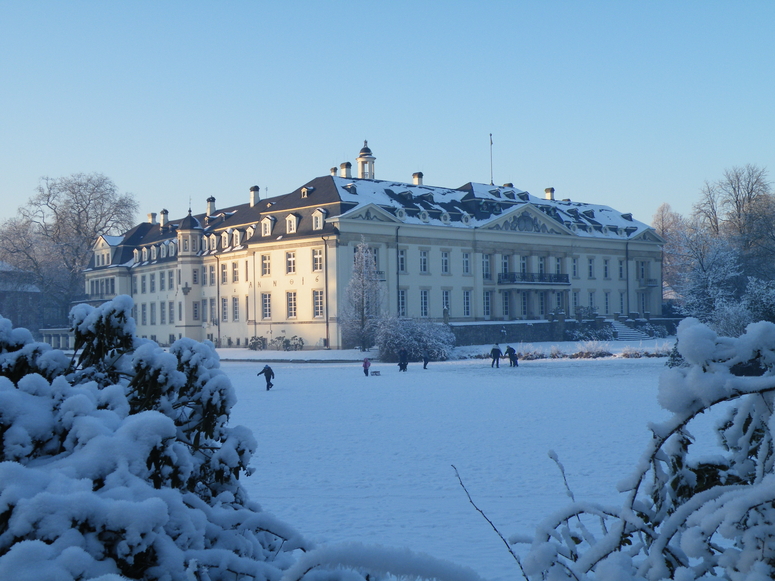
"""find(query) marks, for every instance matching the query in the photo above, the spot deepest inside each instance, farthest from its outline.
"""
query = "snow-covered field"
(343, 457)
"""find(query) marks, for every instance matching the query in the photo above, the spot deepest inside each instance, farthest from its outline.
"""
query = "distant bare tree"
(671, 226)
(53, 233)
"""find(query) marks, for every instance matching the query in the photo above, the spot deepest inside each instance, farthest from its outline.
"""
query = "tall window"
(575, 297)
(523, 264)
(224, 309)
(224, 274)
(506, 304)
(606, 273)
(290, 263)
(486, 264)
(424, 302)
(486, 303)
(213, 313)
(171, 309)
(266, 306)
(171, 279)
(134, 284)
(505, 263)
(559, 301)
(153, 313)
(592, 299)
(557, 266)
(235, 272)
(621, 302)
(152, 277)
(466, 263)
(401, 302)
(290, 300)
(162, 312)
(195, 312)
(424, 261)
(212, 274)
(591, 267)
(162, 280)
(266, 265)
(643, 269)
(317, 259)
(317, 303)
(542, 303)
(235, 308)
(445, 262)
(445, 298)
(621, 270)
(143, 280)
(575, 267)
(402, 260)
(524, 304)
(607, 302)
(541, 265)
(466, 303)
(194, 277)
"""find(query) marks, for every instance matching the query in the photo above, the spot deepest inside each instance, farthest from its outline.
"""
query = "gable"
(528, 220)
(370, 212)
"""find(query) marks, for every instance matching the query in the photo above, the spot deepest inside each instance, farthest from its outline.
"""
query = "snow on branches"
(119, 461)
(685, 517)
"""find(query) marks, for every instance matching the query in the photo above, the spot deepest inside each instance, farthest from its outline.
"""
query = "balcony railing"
(532, 277)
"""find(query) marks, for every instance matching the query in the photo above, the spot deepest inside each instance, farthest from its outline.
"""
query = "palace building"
(281, 266)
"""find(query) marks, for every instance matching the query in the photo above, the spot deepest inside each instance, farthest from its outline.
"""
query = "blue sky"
(629, 104)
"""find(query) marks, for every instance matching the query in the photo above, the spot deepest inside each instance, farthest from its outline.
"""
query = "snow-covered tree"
(414, 335)
(363, 308)
(685, 516)
(119, 461)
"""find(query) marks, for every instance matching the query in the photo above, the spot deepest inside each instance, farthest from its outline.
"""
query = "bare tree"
(672, 227)
(53, 233)
(364, 299)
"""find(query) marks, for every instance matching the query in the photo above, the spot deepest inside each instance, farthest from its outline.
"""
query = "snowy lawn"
(343, 457)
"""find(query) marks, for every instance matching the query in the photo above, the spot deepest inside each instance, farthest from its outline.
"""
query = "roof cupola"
(365, 162)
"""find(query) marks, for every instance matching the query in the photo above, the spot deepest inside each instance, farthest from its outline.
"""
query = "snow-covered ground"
(344, 457)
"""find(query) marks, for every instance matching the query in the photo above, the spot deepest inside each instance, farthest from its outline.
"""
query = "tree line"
(719, 261)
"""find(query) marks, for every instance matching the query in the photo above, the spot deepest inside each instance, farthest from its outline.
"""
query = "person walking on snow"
(403, 359)
(269, 375)
(366, 365)
(425, 358)
(496, 355)
(512, 355)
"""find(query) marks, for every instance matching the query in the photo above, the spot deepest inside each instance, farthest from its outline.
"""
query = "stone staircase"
(625, 333)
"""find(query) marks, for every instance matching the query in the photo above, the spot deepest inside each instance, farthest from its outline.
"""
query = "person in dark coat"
(512, 355)
(496, 355)
(366, 365)
(425, 358)
(268, 375)
(403, 360)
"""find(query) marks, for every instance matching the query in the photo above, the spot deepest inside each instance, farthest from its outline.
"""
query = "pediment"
(370, 212)
(650, 236)
(526, 219)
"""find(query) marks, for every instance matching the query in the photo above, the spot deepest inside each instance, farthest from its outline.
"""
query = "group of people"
(403, 362)
(496, 355)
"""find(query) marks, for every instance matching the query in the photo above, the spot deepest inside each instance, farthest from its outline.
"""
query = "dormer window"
(235, 238)
(250, 231)
(153, 253)
(318, 217)
(445, 218)
(205, 244)
(225, 240)
(163, 250)
(213, 242)
(173, 248)
(266, 226)
(290, 223)
(145, 254)
(424, 216)
(136, 254)
(401, 214)
(305, 192)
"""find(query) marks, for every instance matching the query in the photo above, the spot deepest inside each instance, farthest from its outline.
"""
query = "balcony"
(532, 278)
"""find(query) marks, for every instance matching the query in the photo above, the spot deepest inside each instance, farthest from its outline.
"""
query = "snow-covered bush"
(591, 350)
(685, 517)
(414, 335)
(119, 461)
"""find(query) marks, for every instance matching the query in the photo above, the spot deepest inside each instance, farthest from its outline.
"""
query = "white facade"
(281, 266)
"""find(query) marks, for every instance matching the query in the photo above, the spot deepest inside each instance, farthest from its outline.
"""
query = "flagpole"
(492, 183)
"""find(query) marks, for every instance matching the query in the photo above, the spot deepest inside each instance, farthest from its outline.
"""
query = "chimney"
(417, 178)
(152, 218)
(344, 170)
(333, 171)
(254, 195)
(163, 218)
(549, 193)
(211, 206)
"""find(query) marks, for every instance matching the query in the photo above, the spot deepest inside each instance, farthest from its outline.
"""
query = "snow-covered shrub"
(685, 517)
(414, 335)
(630, 352)
(528, 352)
(587, 333)
(730, 318)
(556, 352)
(120, 461)
(591, 350)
